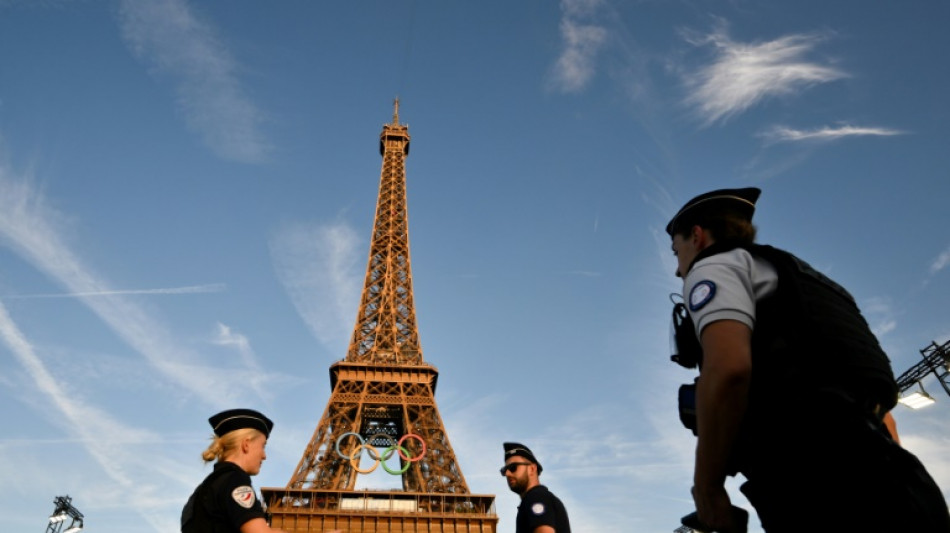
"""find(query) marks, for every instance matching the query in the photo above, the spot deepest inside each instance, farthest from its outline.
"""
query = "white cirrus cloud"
(742, 75)
(786, 134)
(940, 262)
(175, 42)
(318, 267)
(34, 231)
(582, 41)
(104, 437)
(191, 289)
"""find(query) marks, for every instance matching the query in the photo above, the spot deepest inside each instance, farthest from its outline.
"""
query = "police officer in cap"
(225, 501)
(540, 511)
(793, 387)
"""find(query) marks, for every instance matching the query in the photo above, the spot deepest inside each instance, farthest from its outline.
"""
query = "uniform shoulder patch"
(701, 294)
(244, 496)
(538, 508)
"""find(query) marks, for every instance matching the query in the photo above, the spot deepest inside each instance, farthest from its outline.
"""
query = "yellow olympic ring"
(355, 459)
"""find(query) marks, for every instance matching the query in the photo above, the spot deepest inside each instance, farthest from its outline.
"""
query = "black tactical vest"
(808, 336)
(811, 335)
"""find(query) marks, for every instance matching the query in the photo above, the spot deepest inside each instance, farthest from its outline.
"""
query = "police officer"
(225, 501)
(540, 511)
(792, 390)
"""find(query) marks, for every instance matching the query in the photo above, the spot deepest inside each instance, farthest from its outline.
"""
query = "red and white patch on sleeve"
(244, 496)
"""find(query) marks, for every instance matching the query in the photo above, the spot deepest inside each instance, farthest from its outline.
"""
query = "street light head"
(65, 510)
(917, 399)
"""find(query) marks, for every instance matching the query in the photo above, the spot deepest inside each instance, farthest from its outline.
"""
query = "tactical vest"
(808, 336)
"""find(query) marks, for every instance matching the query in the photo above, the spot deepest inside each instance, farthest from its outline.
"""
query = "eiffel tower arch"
(382, 411)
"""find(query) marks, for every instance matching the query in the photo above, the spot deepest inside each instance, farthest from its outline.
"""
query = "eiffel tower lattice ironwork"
(382, 405)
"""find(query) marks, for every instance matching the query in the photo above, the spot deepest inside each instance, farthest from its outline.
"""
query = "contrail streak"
(193, 289)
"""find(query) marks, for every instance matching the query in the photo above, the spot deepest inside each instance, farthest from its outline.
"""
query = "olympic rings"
(395, 447)
(403, 455)
(404, 467)
(385, 438)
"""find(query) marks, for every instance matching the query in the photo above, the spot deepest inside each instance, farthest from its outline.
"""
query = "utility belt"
(823, 403)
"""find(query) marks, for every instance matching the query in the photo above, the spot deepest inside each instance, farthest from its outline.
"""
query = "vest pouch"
(688, 351)
(687, 406)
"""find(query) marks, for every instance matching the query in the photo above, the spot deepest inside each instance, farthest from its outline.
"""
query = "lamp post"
(936, 361)
(64, 512)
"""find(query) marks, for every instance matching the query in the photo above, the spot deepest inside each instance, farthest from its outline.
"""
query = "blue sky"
(187, 192)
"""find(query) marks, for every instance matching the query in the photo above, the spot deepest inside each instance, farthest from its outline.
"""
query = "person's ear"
(700, 237)
(695, 234)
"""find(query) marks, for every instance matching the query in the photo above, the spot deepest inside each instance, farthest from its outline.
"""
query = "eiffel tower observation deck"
(382, 411)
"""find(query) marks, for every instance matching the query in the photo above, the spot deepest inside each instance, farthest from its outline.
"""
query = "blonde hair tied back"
(224, 445)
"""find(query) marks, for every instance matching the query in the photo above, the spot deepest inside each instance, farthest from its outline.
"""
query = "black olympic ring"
(396, 447)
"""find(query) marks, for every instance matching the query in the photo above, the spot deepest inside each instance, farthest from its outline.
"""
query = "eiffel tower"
(382, 410)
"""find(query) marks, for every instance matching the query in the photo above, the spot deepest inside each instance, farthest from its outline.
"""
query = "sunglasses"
(511, 467)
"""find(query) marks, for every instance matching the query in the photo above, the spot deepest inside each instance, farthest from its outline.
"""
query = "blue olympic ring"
(396, 447)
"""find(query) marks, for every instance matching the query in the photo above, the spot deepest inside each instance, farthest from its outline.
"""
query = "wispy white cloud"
(742, 75)
(30, 228)
(880, 316)
(34, 231)
(940, 262)
(225, 336)
(928, 441)
(101, 435)
(170, 37)
(318, 267)
(192, 289)
(582, 41)
(784, 133)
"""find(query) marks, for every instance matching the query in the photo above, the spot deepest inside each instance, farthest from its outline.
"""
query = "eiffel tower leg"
(437, 471)
(322, 466)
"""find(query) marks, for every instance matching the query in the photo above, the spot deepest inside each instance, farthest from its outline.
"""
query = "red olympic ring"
(403, 439)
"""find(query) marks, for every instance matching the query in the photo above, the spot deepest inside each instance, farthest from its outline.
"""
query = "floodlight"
(65, 510)
(917, 399)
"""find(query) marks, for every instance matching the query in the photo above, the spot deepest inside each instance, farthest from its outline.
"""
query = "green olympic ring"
(378, 459)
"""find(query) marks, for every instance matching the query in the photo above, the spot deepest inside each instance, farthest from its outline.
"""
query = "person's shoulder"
(227, 467)
(230, 474)
(725, 265)
(551, 494)
(737, 255)
(539, 492)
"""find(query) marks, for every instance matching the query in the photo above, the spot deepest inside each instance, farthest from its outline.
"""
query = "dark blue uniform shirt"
(539, 507)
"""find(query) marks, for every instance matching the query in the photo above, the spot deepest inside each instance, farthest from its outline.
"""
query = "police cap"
(738, 201)
(514, 449)
(227, 421)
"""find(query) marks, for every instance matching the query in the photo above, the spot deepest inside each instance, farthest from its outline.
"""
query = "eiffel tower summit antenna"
(382, 410)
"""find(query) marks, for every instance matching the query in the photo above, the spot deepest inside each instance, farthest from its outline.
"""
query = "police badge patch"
(701, 294)
(538, 508)
(244, 496)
